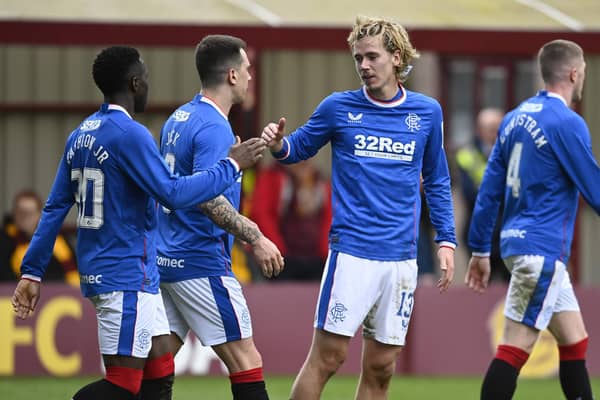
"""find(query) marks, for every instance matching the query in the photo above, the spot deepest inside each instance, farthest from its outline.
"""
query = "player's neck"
(220, 97)
(562, 90)
(124, 101)
(385, 93)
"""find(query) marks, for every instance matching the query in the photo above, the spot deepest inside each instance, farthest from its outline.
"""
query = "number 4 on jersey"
(512, 176)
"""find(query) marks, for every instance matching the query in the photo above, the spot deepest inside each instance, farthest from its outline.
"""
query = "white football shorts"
(539, 287)
(377, 294)
(127, 321)
(214, 308)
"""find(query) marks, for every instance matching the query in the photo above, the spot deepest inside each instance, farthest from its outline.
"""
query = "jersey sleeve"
(57, 206)
(488, 202)
(436, 182)
(573, 148)
(148, 169)
(306, 141)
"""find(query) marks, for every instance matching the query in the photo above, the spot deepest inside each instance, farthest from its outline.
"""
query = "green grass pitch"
(339, 388)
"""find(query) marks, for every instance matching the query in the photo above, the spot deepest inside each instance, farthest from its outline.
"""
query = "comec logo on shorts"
(169, 262)
(384, 147)
(90, 279)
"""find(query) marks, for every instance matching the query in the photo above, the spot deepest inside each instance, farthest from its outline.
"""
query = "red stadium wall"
(450, 334)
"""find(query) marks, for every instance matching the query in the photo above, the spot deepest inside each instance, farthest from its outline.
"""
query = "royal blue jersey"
(189, 244)
(379, 151)
(109, 168)
(542, 159)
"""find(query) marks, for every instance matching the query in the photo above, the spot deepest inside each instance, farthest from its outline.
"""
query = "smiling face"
(376, 67)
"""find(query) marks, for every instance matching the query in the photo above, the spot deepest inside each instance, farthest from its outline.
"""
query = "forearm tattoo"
(225, 216)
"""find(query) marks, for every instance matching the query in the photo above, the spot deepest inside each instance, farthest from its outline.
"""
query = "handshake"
(247, 153)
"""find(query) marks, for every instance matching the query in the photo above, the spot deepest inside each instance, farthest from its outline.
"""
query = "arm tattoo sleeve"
(225, 216)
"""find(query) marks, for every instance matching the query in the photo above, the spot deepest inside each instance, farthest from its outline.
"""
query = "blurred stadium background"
(474, 54)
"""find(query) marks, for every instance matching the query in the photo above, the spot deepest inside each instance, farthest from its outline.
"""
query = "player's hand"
(273, 134)
(25, 297)
(446, 259)
(246, 154)
(267, 255)
(478, 273)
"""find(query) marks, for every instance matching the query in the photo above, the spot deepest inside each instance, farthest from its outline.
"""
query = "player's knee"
(379, 371)
(332, 360)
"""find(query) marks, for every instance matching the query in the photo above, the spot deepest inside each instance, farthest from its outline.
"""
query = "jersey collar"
(558, 96)
(207, 100)
(388, 104)
(117, 108)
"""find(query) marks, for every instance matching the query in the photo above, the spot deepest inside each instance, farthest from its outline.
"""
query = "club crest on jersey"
(181, 116)
(355, 119)
(90, 125)
(412, 122)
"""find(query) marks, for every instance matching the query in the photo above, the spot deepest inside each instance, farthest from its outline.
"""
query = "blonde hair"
(394, 38)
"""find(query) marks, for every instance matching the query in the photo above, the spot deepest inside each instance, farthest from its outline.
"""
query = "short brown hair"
(556, 57)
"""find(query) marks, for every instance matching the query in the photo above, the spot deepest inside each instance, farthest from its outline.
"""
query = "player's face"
(141, 89)
(243, 77)
(579, 80)
(376, 67)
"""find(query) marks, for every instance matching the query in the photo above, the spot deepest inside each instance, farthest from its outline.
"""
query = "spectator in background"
(292, 206)
(472, 160)
(16, 234)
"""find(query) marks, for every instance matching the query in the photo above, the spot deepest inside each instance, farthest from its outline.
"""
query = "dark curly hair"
(112, 68)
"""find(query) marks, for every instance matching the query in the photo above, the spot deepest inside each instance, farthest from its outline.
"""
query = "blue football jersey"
(189, 244)
(109, 168)
(542, 159)
(379, 152)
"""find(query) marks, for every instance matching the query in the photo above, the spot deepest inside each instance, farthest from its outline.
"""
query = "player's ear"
(134, 83)
(232, 76)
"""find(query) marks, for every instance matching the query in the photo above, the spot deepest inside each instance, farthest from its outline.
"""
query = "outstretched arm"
(224, 215)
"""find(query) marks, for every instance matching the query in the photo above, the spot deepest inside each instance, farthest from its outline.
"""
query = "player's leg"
(124, 335)
(349, 288)
(327, 353)
(568, 328)
(500, 381)
(386, 326)
(159, 371)
(378, 367)
(244, 364)
(215, 309)
(532, 295)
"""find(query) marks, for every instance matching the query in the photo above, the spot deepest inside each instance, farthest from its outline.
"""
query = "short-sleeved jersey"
(541, 160)
(379, 151)
(189, 244)
(110, 166)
